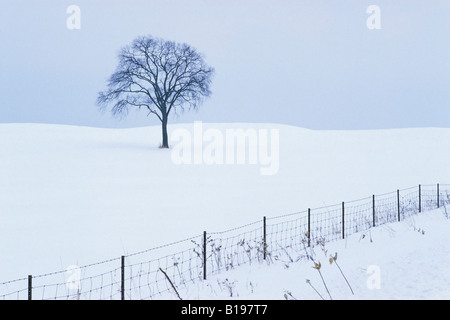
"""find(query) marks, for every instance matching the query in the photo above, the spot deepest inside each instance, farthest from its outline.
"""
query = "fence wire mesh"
(157, 272)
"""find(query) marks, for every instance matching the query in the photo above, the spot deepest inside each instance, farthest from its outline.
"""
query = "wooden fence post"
(438, 195)
(309, 227)
(30, 287)
(204, 255)
(122, 276)
(373, 209)
(398, 204)
(343, 228)
(420, 199)
(264, 236)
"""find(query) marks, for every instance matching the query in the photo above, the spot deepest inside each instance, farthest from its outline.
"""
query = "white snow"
(401, 260)
(77, 195)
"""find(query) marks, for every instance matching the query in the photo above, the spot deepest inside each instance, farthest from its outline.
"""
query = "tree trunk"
(165, 142)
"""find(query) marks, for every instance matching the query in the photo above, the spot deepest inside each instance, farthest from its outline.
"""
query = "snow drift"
(76, 195)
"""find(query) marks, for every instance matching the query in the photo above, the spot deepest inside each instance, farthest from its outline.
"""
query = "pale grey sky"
(312, 64)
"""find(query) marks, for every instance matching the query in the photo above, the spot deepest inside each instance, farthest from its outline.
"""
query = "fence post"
(438, 195)
(420, 199)
(309, 227)
(398, 204)
(373, 209)
(343, 229)
(264, 236)
(204, 255)
(122, 275)
(30, 287)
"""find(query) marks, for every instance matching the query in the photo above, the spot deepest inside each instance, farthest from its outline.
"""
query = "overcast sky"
(313, 64)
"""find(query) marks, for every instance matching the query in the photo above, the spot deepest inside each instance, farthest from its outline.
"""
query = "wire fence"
(158, 272)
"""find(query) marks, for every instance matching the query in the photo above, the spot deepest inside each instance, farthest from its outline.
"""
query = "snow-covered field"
(402, 260)
(77, 195)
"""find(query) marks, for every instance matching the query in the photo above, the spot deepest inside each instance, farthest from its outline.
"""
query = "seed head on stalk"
(317, 266)
(334, 259)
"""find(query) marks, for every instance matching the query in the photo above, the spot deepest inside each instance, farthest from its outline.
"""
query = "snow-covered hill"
(400, 260)
(77, 195)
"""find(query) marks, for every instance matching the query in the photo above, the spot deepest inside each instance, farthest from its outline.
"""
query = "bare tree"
(159, 76)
